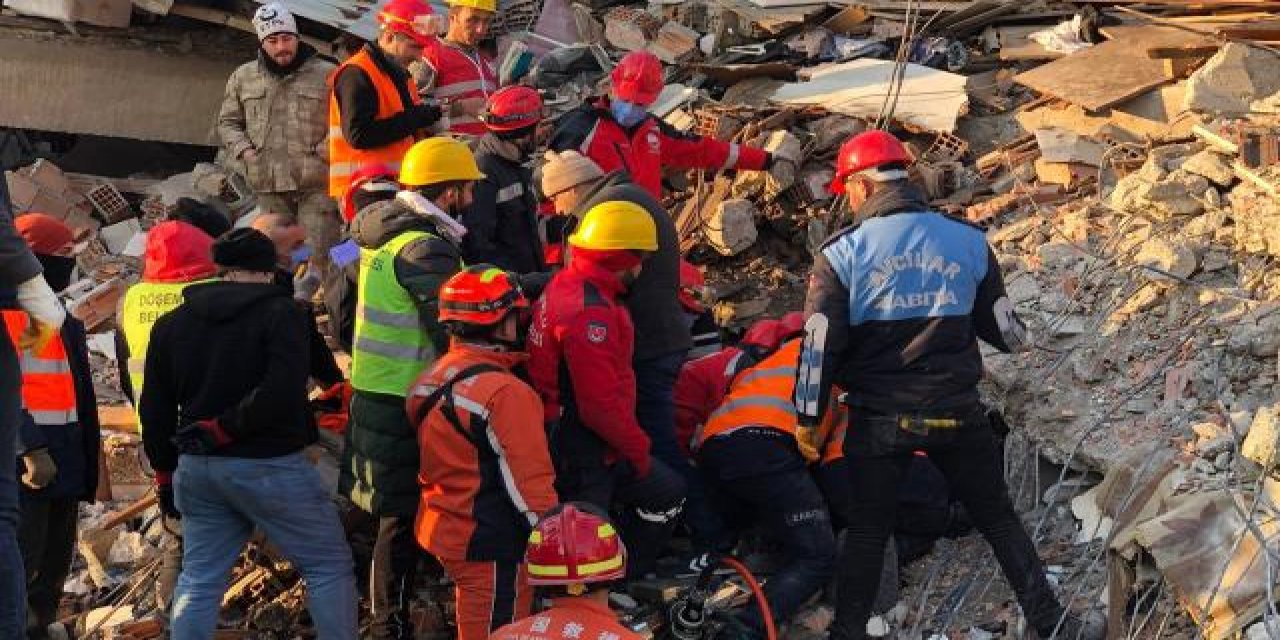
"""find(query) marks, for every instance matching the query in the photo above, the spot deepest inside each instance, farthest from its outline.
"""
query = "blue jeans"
(222, 500)
(13, 593)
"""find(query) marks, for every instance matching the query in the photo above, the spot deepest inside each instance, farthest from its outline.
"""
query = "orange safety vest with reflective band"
(48, 390)
(344, 159)
(461, 76)
(761, 396)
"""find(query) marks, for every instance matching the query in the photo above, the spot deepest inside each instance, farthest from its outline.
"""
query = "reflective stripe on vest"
(144, 303)
(390, 347)
(48, 390)
(344, 159)
(759, 397)
(461, 76)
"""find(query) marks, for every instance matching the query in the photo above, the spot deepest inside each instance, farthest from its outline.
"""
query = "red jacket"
(568, 619)
(461, 75)
(580, 347)
(648, 148)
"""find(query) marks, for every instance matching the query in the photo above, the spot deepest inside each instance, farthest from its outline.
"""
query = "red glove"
(201, 437)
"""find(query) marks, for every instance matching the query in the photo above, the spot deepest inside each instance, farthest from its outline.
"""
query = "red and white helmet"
(865, 153)
(414, 18)
(573, 545)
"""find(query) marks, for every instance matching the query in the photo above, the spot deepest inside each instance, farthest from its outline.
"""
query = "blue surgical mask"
(627, 114)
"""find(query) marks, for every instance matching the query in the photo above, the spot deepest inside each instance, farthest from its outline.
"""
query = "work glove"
(40, 469)
(806, 441)
(45, 312)
(306, 283)
(164, 496)
(424, 115)
(200, 438)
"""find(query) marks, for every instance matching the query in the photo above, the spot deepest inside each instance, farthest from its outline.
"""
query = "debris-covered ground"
(1124, 159)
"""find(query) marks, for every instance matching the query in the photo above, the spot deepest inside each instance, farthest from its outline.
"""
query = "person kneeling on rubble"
(486, 471)
(575, 553)
(580, 351)
(225, 420)
(895, 306)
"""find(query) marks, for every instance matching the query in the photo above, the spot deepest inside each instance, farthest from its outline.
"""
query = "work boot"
(1091, 625)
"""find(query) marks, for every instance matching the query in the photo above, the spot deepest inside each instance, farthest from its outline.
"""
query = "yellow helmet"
(483, 5)
(436, 160)
(616, 224)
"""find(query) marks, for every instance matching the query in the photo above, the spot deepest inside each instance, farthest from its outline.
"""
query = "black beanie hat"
(200, 216)
(245, 249)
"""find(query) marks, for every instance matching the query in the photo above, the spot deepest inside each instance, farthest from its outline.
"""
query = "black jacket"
(502, 221)
(358, 105)
(897, 302)
(233, 351)
(653, 299)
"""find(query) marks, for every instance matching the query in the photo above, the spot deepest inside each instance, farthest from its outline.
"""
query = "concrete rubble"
(1136, 220)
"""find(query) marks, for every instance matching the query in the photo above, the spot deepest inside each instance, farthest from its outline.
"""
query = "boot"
(1091, 625)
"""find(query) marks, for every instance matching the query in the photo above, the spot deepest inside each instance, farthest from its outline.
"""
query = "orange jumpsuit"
(569, 619)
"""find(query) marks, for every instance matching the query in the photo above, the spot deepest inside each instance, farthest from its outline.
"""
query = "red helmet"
(765, 334)
(373, 177)
(867, 150)
(637, 78)
(511, 108)
(410, 17)
(691, 283)
(792, 325)
(481, 294)
(574, 544)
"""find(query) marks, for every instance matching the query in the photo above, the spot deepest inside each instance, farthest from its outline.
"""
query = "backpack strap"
(445, 392)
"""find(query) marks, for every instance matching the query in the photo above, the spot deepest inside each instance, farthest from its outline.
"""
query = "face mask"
(57, 270)
(299, 256)
(626, 113)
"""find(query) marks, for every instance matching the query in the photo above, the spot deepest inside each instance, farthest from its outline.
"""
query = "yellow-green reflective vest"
(144, 303)
(391, 346)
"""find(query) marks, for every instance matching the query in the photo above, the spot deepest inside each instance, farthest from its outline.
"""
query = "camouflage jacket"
(285, 118)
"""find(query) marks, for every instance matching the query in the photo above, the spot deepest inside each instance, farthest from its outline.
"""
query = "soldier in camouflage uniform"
(274, 125)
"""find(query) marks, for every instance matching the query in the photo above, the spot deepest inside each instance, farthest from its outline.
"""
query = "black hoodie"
(233, 351)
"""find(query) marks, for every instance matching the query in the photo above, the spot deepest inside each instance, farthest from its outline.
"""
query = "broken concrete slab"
(1231, 80)
(675, 43)
(1060, 145)
(732, 227)
(929, 98)
(1212, 165)
(1169, 255)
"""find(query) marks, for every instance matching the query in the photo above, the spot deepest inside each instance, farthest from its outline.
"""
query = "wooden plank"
(1109, 73)
(1188, 51)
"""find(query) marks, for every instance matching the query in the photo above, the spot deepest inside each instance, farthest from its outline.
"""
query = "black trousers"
(392, 575)
(47, 537)
(760, 479)
(879, 449)
(647, 507)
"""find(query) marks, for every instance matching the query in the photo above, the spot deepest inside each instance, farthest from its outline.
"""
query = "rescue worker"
(502, 223)
(758, 462)
(462, 76)
(703, 330)
(20, 273)
(662, 336)
(408, 248)
(375, 113)
(373, 183)
(901, 339)
(225, 428)
(273, 125)
(486, 471)
(177, 255)
(60, 439)
(576, 554)
(618, 132)
(580, 346)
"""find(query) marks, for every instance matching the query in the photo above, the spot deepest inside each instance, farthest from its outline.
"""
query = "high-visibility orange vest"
(344, 159)
(763, 396)
(461, 75)
(48, 390)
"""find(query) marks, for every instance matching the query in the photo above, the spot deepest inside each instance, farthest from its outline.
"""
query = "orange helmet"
(867, 150)
(410, 17)
(637, 78)
(575, 544)
(691, 283)
(480, 295)
(512, 108)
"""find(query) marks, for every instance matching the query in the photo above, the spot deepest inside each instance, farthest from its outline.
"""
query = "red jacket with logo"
(460, 75)
(644, 150)
(568, 619)
(580, 347)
